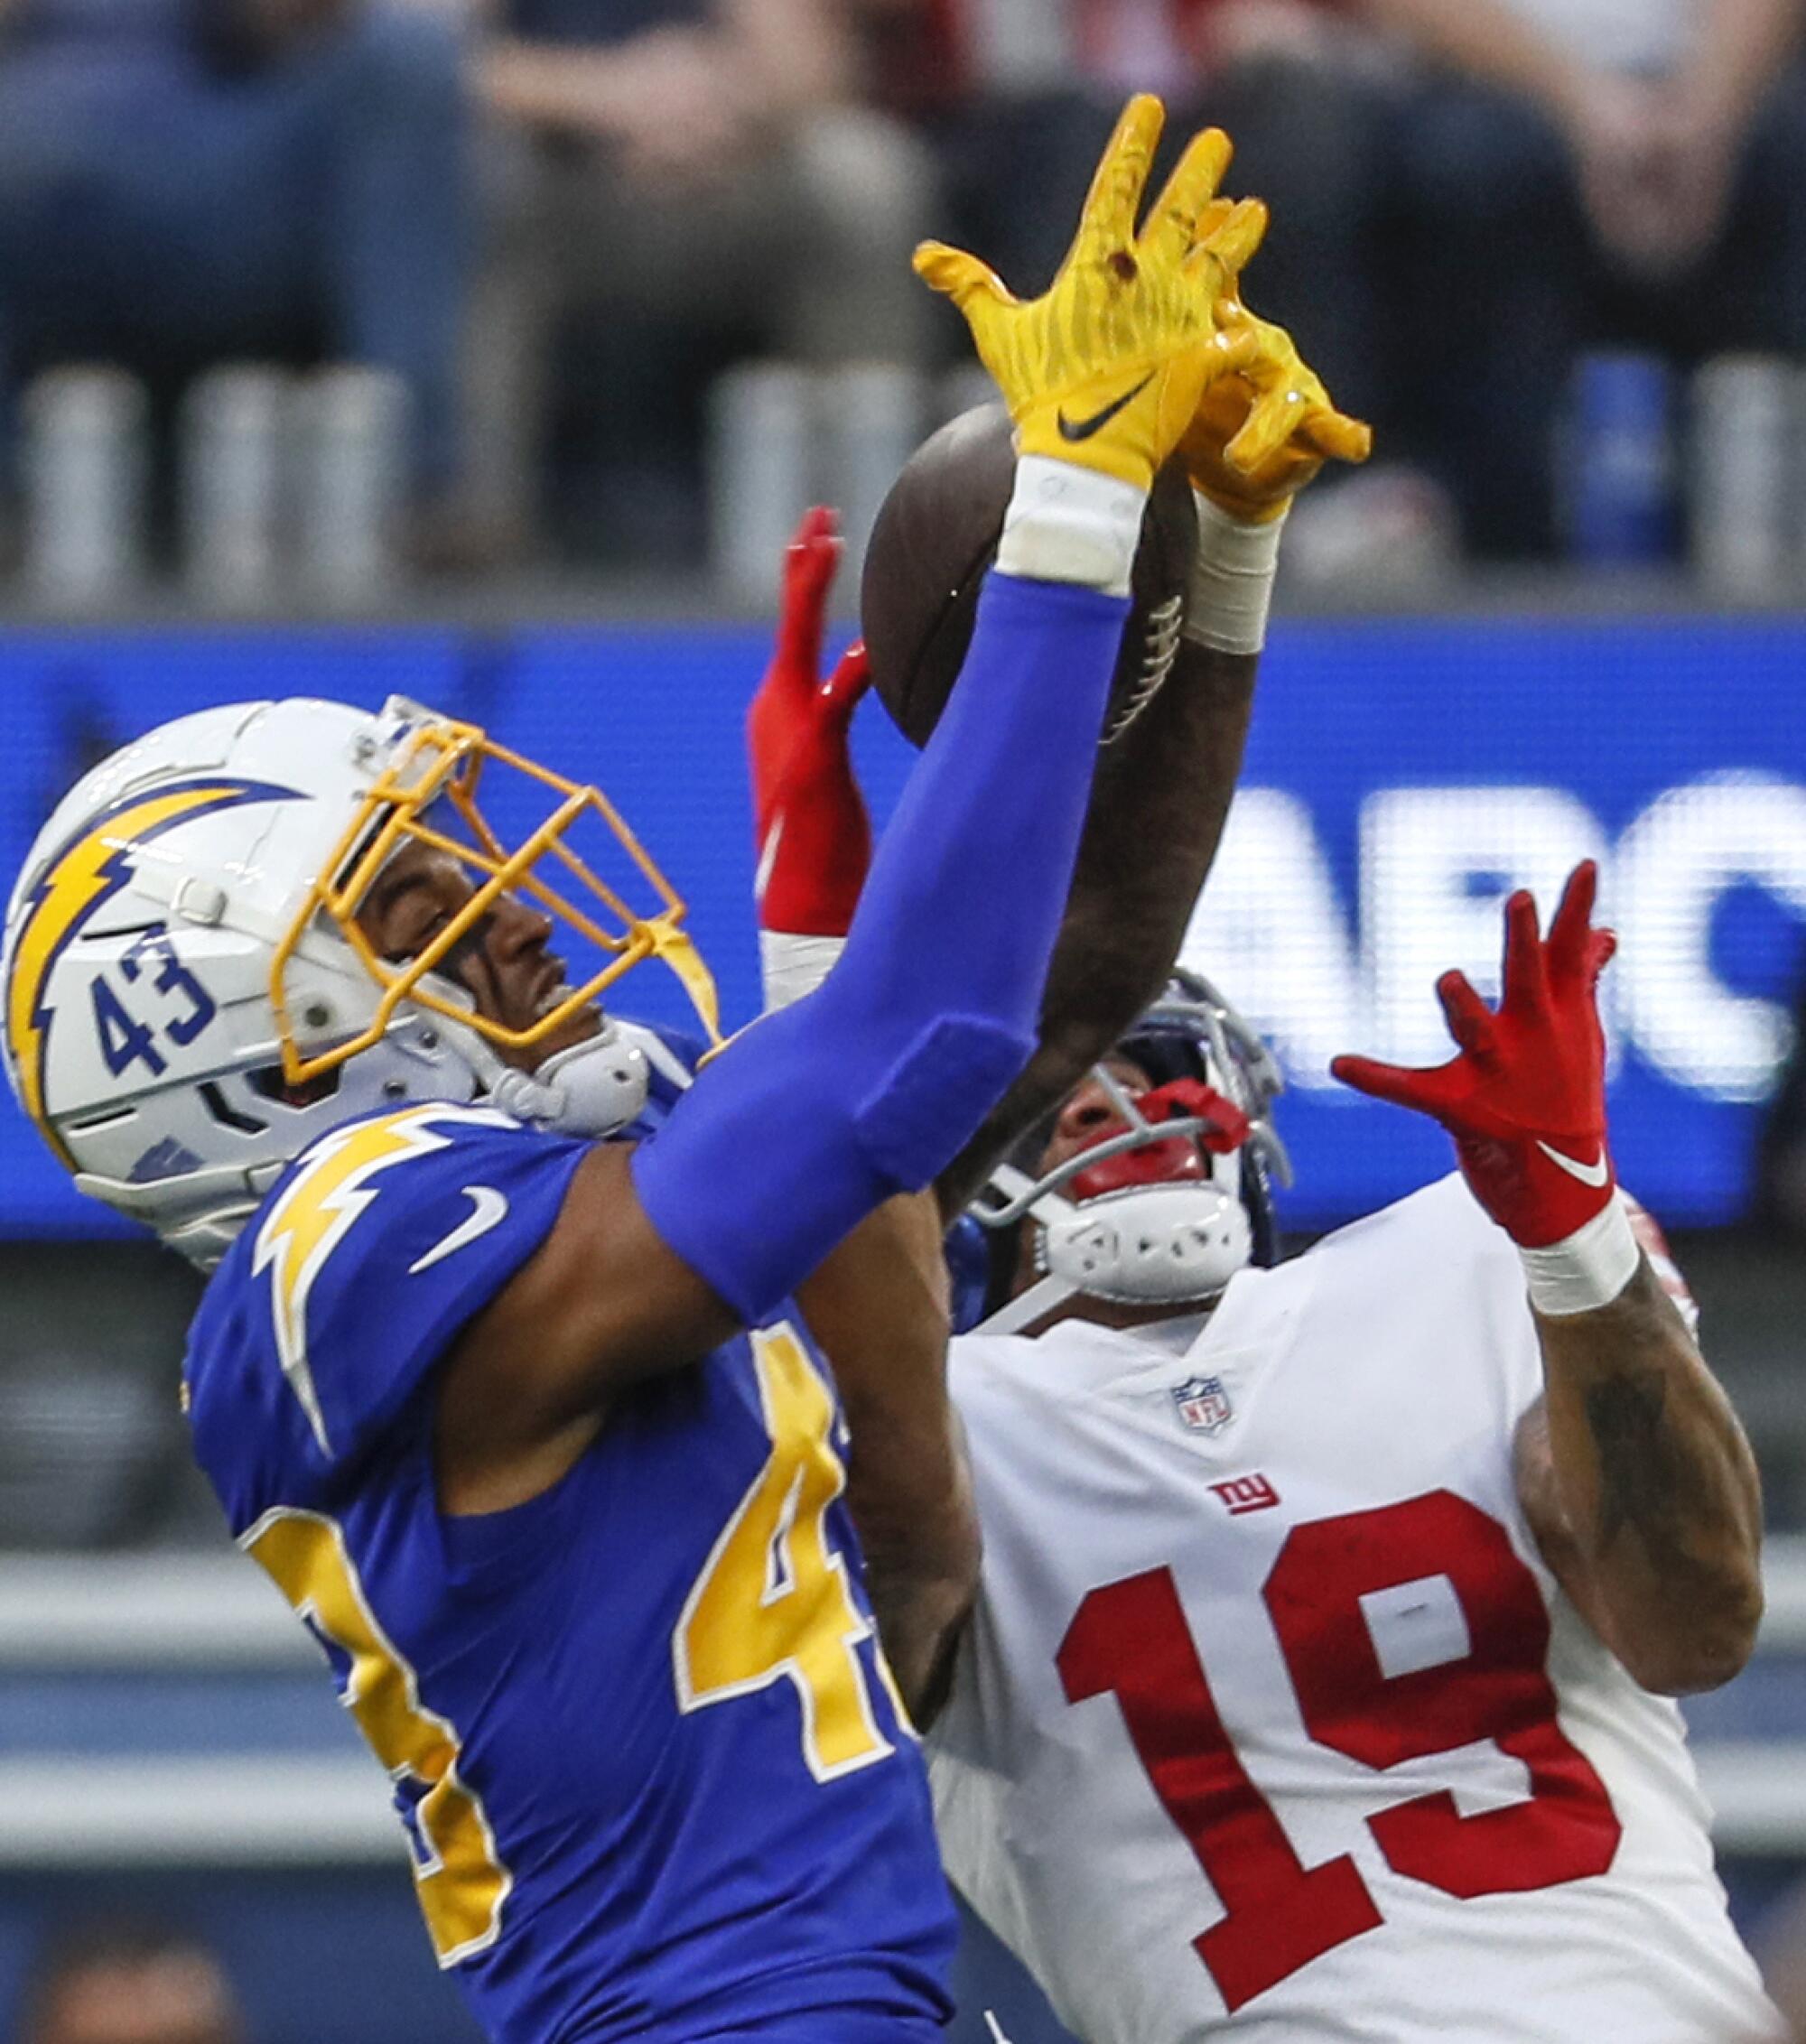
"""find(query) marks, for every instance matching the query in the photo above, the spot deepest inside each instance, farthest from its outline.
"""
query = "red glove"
(812, 834)
(1525, 1100)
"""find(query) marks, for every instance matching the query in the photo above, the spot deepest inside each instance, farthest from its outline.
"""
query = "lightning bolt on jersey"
(649, 1766)
(1272, 1725)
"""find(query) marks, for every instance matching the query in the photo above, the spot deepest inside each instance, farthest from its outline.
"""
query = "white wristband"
(1585, 1269)
(1232, 579)
(1065, 523)
(791, 966)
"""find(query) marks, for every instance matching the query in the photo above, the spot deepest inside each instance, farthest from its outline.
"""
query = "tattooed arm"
(1641, 1492)
(1631, 1468)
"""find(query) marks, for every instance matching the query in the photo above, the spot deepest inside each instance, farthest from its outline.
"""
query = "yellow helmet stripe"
(86, 872)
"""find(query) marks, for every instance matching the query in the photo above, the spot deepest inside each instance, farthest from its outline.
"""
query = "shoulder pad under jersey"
(369, 1255)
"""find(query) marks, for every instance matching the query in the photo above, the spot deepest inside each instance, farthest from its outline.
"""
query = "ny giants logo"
(1238, 1494)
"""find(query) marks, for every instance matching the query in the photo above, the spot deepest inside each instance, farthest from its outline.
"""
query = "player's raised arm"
(815, 1117)
(879, 1303)
(1258, 437)
(1632, 1467)
(1168, 783)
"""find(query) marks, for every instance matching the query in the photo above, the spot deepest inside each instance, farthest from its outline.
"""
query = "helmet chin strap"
(594, 1088)
(1167, 1244)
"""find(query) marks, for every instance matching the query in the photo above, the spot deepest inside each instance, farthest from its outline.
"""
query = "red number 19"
(1131, 1640)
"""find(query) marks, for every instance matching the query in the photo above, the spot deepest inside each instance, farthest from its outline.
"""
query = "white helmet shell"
(186, 1010)
(140, 1033)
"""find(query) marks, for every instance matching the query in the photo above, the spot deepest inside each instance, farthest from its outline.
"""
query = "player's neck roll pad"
(872, 1084)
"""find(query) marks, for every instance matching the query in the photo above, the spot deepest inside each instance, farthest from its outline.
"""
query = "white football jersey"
(1272, 1723)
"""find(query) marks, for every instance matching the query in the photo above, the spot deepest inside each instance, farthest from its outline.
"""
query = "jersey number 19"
(1130, 1639)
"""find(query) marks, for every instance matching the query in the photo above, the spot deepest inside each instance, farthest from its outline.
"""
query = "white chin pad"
(594, 1088)
(1150, 1244)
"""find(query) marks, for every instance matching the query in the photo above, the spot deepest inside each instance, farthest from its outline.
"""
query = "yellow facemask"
(439, 761)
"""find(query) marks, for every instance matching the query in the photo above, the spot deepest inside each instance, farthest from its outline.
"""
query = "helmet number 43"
(187, 1007)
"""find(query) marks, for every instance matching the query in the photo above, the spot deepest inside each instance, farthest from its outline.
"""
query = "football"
(936, 535)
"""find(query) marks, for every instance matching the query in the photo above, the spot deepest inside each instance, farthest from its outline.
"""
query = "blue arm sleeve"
(875, 1082)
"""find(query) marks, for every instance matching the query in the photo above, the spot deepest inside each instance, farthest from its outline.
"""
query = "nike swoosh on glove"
(813, 838)
(1105, 370)
(1525, 1097)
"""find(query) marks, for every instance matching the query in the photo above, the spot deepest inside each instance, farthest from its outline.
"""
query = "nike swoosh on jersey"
(488, 1208)
(1594, 1175)
(1075, 430)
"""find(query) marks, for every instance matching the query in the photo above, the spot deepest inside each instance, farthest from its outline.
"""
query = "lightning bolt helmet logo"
(80, 878)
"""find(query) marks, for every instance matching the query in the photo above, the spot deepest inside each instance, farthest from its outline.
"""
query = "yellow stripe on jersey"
(463, 1884)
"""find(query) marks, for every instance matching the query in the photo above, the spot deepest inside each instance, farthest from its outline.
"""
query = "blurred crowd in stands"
(554, 224)
(104, 1981)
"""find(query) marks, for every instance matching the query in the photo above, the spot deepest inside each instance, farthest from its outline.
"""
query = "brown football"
(938, 533)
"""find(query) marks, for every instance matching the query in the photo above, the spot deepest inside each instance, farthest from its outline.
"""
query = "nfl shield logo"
(1203, 1404)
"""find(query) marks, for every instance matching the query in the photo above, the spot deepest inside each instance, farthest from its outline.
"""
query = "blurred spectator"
(1295, 84)
(685, 181)
(1627, 170)
(187, 181)
(1303, 89)
(1005, 94)
(1018, 96)
(130, 1983)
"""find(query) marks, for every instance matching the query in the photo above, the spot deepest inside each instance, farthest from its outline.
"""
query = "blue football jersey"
(651, 1769)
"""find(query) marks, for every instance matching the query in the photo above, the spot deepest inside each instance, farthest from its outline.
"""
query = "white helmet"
(1165, 1212)
(190, 1002)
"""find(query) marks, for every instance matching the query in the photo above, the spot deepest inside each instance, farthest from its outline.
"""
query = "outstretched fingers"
(1338, 437)
(1211, 216)
(1188, 196)
(1276, 415)
(1234, 239)
(810, 561)
(958, 275)
(1107, 223)
(1525, 978)
(849, 680)
(1469, 1020)
(1425, 1092)
(1230, 348)
(1601, 947)
(1571, 924)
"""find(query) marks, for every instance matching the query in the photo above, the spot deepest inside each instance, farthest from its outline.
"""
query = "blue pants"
(154, 213)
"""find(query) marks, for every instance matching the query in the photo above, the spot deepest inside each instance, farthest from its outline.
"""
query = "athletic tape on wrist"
(1585, 1269)
(791, 966)
(1232, 579)
(1065, 523)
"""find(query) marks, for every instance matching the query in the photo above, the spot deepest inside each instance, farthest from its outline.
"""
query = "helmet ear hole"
(268, 1083)
(229, 1117)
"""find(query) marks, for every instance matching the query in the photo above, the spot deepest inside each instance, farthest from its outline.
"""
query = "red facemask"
(1175, 1160)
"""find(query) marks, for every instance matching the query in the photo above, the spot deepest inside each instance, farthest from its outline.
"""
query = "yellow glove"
(1259, 435)
(1105, 371)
